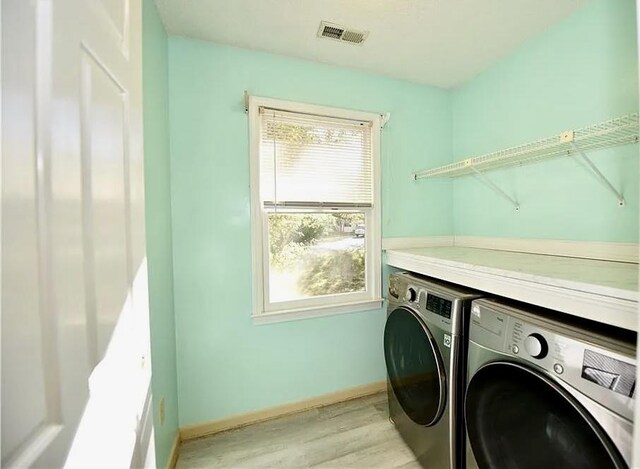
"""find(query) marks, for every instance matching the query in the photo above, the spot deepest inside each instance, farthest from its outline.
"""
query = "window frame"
(263, 311)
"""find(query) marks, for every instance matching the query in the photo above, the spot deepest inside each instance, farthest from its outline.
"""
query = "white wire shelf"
(611, 133)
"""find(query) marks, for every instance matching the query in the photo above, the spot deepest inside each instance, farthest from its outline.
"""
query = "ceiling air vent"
(340, 33)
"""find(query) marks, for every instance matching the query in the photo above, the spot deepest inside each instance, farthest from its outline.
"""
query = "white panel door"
(72, 211)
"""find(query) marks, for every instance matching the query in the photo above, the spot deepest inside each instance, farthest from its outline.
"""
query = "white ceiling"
(436, 42)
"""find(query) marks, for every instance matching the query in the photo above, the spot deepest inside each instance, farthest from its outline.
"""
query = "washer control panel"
(439, 304)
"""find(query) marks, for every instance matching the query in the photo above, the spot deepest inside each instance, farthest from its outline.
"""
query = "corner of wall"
(172, 227)
(159, 234)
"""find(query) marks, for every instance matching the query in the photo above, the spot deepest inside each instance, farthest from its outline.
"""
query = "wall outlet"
(162, 411)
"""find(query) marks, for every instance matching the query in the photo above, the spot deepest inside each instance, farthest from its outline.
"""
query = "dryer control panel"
(568, 355)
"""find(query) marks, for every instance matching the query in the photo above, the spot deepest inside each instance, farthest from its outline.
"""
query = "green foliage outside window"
(334, 272)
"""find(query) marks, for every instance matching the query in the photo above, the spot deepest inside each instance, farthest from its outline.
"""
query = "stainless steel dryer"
(547, 392)
(425, 354)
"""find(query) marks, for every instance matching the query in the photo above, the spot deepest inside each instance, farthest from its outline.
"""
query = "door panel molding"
(119, 32)
(74, 94)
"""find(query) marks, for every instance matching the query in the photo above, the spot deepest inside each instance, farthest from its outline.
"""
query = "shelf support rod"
(597, 173)
(484, 179)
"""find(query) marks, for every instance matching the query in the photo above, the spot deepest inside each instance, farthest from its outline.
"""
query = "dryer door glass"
(519, 419)
(414, 366)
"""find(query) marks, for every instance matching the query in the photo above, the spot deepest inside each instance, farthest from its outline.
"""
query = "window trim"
(262, 311)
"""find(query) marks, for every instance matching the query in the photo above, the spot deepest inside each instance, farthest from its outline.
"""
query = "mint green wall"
(227, 365)
(158, 220)
(581, 71)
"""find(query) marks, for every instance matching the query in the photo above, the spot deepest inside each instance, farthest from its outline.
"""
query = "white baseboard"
(175, 450)
(619, 252)
(416, 242)
(209, 428)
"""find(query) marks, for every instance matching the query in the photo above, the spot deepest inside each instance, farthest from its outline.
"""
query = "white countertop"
(599, 290)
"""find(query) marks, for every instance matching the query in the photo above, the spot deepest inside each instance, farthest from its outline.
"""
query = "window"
(315, 209)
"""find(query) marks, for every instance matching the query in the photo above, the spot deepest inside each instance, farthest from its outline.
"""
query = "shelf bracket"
(488, 182)
(597, 173)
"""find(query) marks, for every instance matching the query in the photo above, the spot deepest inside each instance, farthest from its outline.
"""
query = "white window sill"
(316, 312)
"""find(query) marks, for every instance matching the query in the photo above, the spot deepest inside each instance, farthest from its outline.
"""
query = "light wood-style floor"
(352, 434)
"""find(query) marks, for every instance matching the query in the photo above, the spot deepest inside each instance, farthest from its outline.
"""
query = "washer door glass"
(519, 419)
(414, 366)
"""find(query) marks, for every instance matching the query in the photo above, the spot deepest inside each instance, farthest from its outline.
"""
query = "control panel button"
(515, 349)
(412, 295)
(536, 346)
(558, 368)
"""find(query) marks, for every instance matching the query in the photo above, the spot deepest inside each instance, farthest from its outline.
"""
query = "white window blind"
(314, 161)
